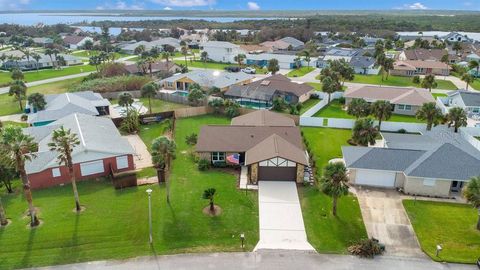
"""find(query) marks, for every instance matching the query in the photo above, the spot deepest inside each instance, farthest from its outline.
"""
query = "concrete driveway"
(142, 157)
(281, 221)
(386, 219)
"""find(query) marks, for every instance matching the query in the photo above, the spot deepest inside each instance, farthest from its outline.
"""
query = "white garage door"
(90, 168)
(375, 178)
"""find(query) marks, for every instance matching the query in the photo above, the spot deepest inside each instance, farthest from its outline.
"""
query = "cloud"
(122, 5)
(167, 8)
(13, 5)
(184, 3)
(416, 5)
(253, 6)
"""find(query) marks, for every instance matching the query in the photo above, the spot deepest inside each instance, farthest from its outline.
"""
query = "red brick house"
(101, 151)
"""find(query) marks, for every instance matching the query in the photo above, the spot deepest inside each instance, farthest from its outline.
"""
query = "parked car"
(249, 70)
(232, 69)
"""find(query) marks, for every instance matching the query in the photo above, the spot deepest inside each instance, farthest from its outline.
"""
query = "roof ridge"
(82, 139)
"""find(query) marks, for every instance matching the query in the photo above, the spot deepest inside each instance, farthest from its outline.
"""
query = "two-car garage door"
(277, 169)
(375, 178)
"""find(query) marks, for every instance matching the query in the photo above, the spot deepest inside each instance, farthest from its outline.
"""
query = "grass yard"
(158, 105)
(325, 232)
(399, 81)
(318, 86)
(149, 132)
(476, 84)
(308, 104)
(435, 95)
(115, 222)
(200, 64)
(335, 110)
(299, 72)
(86, 53)
(8, 104)
(44, 74)
(448, 224)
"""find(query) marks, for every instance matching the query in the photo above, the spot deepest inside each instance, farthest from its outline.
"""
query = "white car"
(249, 70)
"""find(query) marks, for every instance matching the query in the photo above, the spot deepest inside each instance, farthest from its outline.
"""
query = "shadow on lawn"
(28, 249)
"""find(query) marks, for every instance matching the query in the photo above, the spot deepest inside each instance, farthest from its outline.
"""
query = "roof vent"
(265, 82)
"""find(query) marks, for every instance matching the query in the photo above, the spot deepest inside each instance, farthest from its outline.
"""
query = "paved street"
(274, 260)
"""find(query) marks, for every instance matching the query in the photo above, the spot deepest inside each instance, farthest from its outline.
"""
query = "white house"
(221, 51)
(76, 42)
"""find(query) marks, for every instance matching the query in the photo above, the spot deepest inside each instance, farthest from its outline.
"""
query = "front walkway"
(281, 221)
(142, 157)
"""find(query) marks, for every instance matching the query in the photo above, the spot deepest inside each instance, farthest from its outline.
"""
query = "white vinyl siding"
(277, 162)
(404, 107)
(429, 182)
(122, 162)
(375, 178)
(90, 168)
(56, 172)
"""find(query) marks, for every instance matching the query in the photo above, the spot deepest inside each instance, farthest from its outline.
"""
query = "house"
(101, 152)
(59, 105)
(266, 145)
(423, 54)
(361, 63)
(467, 100)
(434, 164)
(221, 51)
(262, 93)
(285, 61)
(129, 48)
(364, 65)
(252, 49)
(158, 67)
(206, 79)
(404, 101)
(76, 42)
(46, 61)
(456, 37)
(40, 41)
(286, 43)
(418, 67)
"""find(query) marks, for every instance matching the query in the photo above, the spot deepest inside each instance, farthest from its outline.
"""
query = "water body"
(72, 18)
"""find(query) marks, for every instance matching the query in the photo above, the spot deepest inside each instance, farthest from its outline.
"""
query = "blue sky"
(240, 4)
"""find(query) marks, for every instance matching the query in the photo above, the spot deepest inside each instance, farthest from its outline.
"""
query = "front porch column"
(300, 173)
(254, 173)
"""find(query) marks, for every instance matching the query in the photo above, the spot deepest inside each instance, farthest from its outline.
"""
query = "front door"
(456, 186)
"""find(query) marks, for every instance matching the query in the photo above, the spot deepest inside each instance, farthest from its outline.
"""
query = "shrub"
(232, 109)
(191, 139)
(416, 79)
(112, 84)
(314, 96)
(112, 70)
(131, 123)
(203, 164)
(341, 100)
(24, 117)
(366, 248)
(402, 130)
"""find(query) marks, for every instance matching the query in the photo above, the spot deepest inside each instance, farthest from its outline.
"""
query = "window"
(122, 162)
(404, 107)
(476, 110)
(430, 182)
(169, 84)
(56, 172)
(218, 156)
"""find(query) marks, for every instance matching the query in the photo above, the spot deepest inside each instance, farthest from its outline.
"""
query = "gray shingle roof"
(293, 41)
(380, 158)
(210, 78)
(470, 98)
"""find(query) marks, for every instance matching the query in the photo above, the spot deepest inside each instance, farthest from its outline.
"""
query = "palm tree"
(334, 183)
(382, 110)
(49, 52)
(149, 91)
(163, 150)
(430, 113)
(240, 58)
(18, 89)
(209, 194)
(139, 49)
(3, 217)
(457, 47)
(37, 58)
(307, 58)
(37, 101)
(17, 147)
(204, 57)
(468, 79)
(387, 66)
(125, 99)
(429, 82)
(472, 193)
(55, 52)
(63, 142)
(185, 53)
(329, 86)
(166, 56)
(446, 60)
(358, 107)
(474, 65)
(273, 66)
(364, 132)
(456, 117)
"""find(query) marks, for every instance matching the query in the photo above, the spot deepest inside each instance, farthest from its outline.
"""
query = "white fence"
(324, 102)
(440, 104)
(469, 134)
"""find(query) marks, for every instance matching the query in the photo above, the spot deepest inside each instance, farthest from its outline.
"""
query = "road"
(274, 260)
(4, 90)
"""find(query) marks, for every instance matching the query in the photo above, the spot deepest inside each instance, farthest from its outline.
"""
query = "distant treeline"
(469, 22)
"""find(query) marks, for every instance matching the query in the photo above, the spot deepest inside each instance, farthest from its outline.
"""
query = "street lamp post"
(149, 192)
(242, 238)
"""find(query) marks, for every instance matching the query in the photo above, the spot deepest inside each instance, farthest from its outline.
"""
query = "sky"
(240, 4)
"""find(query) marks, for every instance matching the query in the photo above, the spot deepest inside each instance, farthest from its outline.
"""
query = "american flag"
(234, 159)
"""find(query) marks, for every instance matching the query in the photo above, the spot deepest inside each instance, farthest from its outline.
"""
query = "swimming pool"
(180, 93)
(253, 105)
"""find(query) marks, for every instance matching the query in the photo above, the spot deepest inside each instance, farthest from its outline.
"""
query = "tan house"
(206, 79)
(268, 144)
(404, 101)
(427, 165)
(417, 67)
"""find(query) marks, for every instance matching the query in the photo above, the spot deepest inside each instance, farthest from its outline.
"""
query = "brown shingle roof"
(395, 95)
(422, 64)
(263, 118)
(425, 54)
(242, 138)
(72, 39)
(275, 146)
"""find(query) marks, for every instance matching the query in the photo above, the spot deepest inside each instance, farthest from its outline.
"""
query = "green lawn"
(435, 95)
(448, 224)
(299, 72)
(115, 222)
(200, 64)
(325, 232)
(335, 110)
(318, 86)
(476, 84)
(158, 105)
(44, 74)
(308, 104)
(399, 81)
(8, 105)
(149, 132)
(86, 53)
